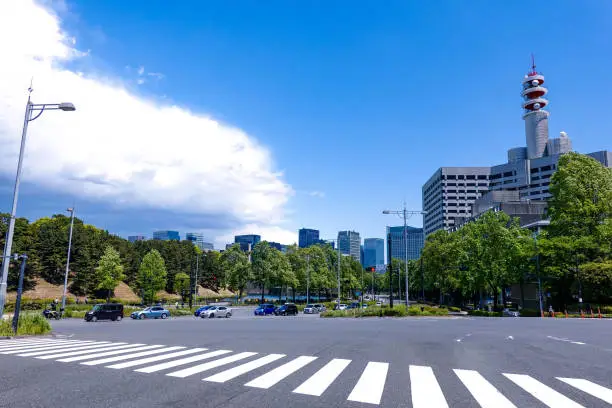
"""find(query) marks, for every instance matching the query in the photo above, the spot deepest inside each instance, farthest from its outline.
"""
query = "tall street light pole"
(405, 214)
(8, 246)
(71, 211)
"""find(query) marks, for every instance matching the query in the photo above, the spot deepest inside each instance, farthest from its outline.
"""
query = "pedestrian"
(176, 305)
(550, 310)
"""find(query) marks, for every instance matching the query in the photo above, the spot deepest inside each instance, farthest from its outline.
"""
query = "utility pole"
(19, 292)
(71, 211)
(422, 280)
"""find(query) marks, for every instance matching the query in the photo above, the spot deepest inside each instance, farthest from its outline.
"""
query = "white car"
(342, 306)
(379, 303)
(216, 311)
(310, 309)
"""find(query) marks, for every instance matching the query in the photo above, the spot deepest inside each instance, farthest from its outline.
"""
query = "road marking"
(210, 365)
(566, 340)
(426, 392)
(107, 353)
(76, 348)
(542, 392)
(9, 343)
(318, 383)
(232, 373)
(589, 387)
(48, 347)
(273, 377)
(155, 358)
(79, 353)
(130, 356)
(37, 344)
(483, 391)
(183, 361)
(371, 384)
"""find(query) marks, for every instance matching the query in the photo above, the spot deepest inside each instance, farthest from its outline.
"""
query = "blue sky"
(356, 103)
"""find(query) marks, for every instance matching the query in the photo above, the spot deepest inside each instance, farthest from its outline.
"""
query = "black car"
(105, 311)
(286, 310)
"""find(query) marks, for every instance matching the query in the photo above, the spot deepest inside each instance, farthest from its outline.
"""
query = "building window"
(471, 177)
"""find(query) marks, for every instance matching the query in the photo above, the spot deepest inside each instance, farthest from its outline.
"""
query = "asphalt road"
(420, 362)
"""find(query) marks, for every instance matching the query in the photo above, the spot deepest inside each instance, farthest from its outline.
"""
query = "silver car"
(320, 307)
(216, 311)
(310, 309)
(511, 313)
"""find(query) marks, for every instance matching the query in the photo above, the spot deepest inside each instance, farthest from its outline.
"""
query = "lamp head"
(386, 212)
(67, 106)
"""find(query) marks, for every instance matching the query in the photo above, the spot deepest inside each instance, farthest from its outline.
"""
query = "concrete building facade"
(349, 243)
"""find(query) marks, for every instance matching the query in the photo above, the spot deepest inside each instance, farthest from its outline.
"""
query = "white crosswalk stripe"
(369, 388)
(278, 374)
(322, 379)
(589, 387)
(244, 368)
(210, 365)
(80, 353)
(183, 361)
(156, 358)
(486, 394)
(426, 392)
(130, 356)
(107, 353)
(76, 348)
(542, 392)
(371, 384)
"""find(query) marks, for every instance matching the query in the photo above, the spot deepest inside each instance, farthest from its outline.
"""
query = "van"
(105, 311)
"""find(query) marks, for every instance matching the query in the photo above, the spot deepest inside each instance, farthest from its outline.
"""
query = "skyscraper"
(166, 235)
(373, 252)
(245, 240)
(134, 238)
(349, 243)
(198, 240)
(308, 237)
(395, 239)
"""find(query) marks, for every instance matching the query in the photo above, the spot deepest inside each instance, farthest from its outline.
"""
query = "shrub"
(29, 324)
(484, 313)
(454, 309)
(530, 313)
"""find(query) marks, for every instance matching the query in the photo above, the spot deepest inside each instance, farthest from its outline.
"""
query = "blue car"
(155, 312)
(200, 310)
(265, 309)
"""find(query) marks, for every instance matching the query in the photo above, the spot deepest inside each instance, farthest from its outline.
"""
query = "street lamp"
(71, 211)
(30, 109)
(405, 214)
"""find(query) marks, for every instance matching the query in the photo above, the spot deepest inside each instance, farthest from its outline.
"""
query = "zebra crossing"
(184, 362)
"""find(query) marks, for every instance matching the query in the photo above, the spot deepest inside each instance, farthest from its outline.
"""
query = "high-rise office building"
(198, 240)
(449, 194)
(395, 240)
(308, 237)
(373, 252)
(246, 240)
(349, 243)
(166, 235)
(134, 238)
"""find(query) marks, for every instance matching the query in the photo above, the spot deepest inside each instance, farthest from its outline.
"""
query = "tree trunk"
(293, 291)
(263, 286)
(495, 295)
(240, 294)
(522, 293)
(108, 295)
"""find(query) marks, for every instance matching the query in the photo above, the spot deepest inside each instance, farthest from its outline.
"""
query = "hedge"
(29, 324)
(397, 311)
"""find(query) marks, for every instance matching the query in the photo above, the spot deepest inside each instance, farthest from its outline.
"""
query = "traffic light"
(371, 269)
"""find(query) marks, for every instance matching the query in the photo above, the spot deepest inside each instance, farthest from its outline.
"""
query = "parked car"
(379, 303)
(264, 309)
(153, 312)
(341, 306)
(200, 310)
(320, 306)
(105, 311)
(511, 313)
(216, 311)
(286, 309)
(310, 309)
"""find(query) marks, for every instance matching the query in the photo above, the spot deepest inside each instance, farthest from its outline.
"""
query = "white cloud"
(319, 194)
(119, 146)
(141, 70)
(156, 75)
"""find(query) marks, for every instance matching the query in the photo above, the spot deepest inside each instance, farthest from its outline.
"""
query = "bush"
(182, 312)
(29, 324)
(454, 309)
(484, 313)
(530, 313)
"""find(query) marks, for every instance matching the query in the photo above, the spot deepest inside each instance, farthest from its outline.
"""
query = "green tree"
(237, 269)
(213, 273)
(151, 275)
(441, 258)
(182, 284)
(109, 272)
(263, 265)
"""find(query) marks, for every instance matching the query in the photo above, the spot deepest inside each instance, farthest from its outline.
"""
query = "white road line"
(371, 384)
(79, 353)
(566, 340)
(9, 343)
(37, 344)
(273, 377)
(483, 391)
(542, 392)
(210, 365)
(107, 353)
(183, 361)
(589, 387)
(156, 358)
(426, 392)
(47, 347)
(232, 373)
(322, 379)
(75, 348)
(130, 356)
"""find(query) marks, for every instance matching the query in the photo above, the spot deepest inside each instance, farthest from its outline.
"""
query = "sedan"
(216, 311)
(511, 313)
(321, 307)
(200, 310)
(155, 312)
(264, 309)
(311, 309)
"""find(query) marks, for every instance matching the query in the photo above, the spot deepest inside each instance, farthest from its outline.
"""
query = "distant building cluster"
(168, 235)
